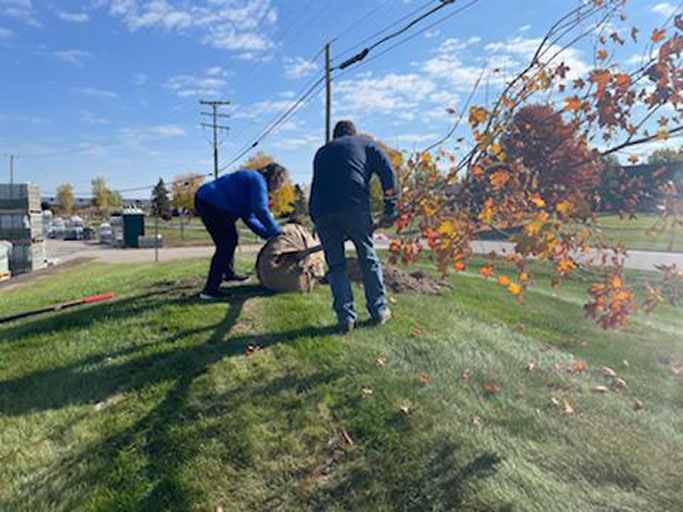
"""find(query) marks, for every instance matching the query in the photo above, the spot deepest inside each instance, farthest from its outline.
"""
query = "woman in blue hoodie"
(239, 195)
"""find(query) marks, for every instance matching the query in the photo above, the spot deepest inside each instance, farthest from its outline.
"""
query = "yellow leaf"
(478, 115)
(564, 206)
(663, 134)
(515, 289)
(537, 200)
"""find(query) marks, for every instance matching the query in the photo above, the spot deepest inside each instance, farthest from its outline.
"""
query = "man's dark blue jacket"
(342, 170)
(243, 195)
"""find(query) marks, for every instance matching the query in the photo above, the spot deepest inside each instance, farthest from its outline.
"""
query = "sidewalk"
(67, 251)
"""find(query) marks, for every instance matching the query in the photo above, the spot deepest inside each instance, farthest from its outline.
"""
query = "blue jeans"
(334, 229)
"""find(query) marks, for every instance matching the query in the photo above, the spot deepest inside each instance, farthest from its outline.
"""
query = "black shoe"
(235, 277)
(346, 328)
(213, 295)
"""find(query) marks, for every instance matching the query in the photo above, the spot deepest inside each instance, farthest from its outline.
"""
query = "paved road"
(67, 251)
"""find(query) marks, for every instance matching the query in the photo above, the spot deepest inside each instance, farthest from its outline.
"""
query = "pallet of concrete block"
(150, 242)
(5, 250)
(21, 226)
(20, 196)
(27, 258)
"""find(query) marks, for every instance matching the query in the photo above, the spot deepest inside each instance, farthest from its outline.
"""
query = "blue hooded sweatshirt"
(242, 194)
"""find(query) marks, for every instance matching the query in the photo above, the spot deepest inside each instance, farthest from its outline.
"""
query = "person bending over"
(340, 209)
(240, 195)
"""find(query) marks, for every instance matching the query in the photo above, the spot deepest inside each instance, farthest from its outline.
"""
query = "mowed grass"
(151, 403)
(633, 233)
(193, 233)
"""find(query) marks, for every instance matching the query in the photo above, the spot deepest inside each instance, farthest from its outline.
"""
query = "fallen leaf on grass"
(638, 405)
(381, 360)
(519, 326)
(567, 409)
(554, 402)
(676, 369)
(424, 378)
(251, 348)
(601, 389)
(416, 332)
(467, 374)
(519, 393)
(529, 367)
(367, 391)
(619, 385)
(579, 367)
(393, 300)
(608, 372)
(477, 421)
(583, 344)
(345, 436)
(219, 508)
(491, 389)
(405, 408)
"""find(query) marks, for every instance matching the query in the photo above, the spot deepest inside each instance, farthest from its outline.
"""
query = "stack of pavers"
(21, 223)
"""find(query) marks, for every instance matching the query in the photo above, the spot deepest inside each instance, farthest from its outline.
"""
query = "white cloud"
(385, 95)
(216, 71)
(138, 135)
(430, 34)
(24, 119)
(73, 17)
(140, 78)
(188, 85)
(96, 93)
(524, 28)
(664, 8)
(5, 33)
(76, 57)
(239, 25)
(298, 67)
(89, 118)
(21, 10)
(303, 141)
(261, 108)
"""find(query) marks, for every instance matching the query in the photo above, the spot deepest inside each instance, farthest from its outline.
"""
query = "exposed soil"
(399, 281)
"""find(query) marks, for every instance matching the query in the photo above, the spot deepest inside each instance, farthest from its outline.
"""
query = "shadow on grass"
(159, 487)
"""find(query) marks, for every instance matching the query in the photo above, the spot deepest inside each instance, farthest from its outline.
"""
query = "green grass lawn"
(633, 233)
(193, 233)
(151, 403)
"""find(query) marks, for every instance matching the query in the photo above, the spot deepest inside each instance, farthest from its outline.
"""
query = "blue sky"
(111, 87)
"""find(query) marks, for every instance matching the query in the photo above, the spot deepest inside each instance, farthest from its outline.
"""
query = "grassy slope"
(150, 404)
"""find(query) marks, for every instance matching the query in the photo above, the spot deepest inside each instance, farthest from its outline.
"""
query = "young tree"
(161, 204)
(504, 178)
(101, 195)
(258, 161)
(183, 190)
(65, 198)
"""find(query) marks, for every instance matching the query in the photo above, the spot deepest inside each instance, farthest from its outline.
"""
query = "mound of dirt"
(399, 281)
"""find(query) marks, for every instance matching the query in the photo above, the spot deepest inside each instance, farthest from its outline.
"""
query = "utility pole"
(11, 167)
(215, 114)
(328, 91)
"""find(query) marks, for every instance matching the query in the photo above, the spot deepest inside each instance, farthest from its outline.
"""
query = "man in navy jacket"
(340, 209)
(240, 195)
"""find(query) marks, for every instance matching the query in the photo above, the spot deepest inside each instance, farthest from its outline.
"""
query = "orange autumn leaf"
(633, 159)
(573, 104)
(503, 280)
(499, 179)
(579, 367)
(537, 200)
(623, 81)
(657, 35)
(491, 389)
(460, 267)
(478, 115)
(486, 271)
(602, 54)
(424, 378)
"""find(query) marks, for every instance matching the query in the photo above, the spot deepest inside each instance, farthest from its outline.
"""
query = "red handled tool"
(59, 307)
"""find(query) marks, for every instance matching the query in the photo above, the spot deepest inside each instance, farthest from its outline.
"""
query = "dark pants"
(221, 226)
(334, 229)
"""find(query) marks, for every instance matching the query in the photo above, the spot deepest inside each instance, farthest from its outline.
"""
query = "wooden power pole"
(215, 114)
(328, 93)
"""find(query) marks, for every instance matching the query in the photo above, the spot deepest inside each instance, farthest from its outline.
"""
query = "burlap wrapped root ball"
(279, 270)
